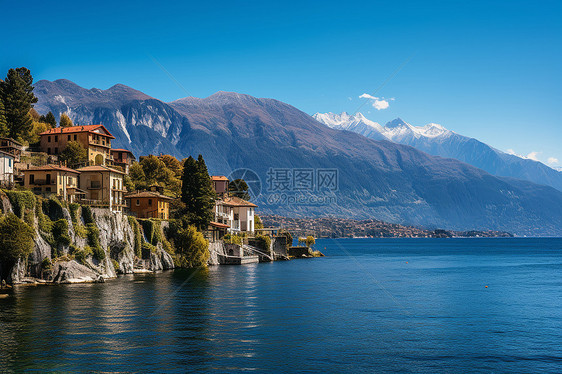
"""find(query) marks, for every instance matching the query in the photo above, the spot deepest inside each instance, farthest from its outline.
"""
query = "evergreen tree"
(3, 123)
(17, 95)
(197, 192)
(239, 188)
(65, 121)
(50, 119)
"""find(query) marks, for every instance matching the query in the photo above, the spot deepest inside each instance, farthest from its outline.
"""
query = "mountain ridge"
(439, 141)
(377, 179)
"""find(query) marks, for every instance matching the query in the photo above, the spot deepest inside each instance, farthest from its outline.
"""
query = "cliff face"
(76, 259)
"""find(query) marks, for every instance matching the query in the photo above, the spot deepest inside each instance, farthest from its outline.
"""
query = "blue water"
(371, 305)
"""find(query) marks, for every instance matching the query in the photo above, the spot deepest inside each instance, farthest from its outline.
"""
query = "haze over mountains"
(437, 140)
(377, 179)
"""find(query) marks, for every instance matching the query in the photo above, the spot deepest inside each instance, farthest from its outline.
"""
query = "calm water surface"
(372, 305)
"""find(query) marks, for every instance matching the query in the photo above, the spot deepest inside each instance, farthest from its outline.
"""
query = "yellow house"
(49, 180)
(94, 138)
(103, 186)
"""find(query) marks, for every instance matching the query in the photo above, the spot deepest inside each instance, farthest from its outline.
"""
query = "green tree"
(65, 121)
(138, 178)
(50, 119)
(239, 188)
(3, 123)
(309, 241)
(172, 164)
(73, 154)
(257, 222)
(155, 170)
(18, 98)
(192, 250)
(197, 192)
(16, 239)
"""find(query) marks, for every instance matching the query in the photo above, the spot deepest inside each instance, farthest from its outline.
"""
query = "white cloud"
(533, 156)
(552, 160)
(511, 152)
(367, 96)
(379, 103)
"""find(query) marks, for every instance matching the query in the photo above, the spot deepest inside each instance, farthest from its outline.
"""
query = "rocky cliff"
(93, 244)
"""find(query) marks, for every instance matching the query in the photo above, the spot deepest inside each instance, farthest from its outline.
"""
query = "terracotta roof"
(219, 178)
(51, 167)
(147, 194)
(73, 129)
(99, 168)
(219, 225)
(236, 201)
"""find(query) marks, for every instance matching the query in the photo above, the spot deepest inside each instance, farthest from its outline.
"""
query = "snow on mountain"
(397, 130)
(437, 140)
(356, 123)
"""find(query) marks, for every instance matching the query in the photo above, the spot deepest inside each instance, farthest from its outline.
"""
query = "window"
(31, 178)
(138, 202)
(9, 162)
(48, 151)
(149, 202)
(56, 150)
(75, 137)
(56, 138)
(68, 137)
(49, 139)
(47, 189)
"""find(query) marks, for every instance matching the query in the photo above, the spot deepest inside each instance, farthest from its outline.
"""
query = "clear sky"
(490, 70)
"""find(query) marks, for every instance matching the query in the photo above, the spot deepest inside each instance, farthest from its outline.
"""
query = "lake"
(371, 305)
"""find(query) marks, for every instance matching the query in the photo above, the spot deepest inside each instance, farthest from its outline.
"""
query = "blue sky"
(490, 70)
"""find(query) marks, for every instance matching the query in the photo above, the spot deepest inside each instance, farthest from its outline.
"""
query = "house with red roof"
(96, 139)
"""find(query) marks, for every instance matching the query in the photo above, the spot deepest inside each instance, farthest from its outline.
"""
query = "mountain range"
(377, 178)
(438, 141)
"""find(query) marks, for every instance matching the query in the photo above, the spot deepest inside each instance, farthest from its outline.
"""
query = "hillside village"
(87, 211)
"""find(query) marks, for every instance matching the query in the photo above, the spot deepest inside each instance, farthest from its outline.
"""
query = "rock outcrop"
(75, 261)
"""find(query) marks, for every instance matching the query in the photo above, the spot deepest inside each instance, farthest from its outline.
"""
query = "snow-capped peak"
(396, 130)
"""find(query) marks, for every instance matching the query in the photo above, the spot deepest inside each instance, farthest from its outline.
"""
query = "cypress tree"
(197, 192)
(18, 97)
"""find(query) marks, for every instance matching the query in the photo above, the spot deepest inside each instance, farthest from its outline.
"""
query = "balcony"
(94, 185)
(42, 182)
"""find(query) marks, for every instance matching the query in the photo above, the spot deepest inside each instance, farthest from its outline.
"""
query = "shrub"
(191, 247)
(82, 254)
(16, 238)
(137, 235)
(116, 265)
(263, 242)
(147, 249)
(99, 253)
(60, 232)
(53, 208)
(87, 215)
(23, 202)
(309, 241)
(232, 239)
(46, 264)
(73, 208)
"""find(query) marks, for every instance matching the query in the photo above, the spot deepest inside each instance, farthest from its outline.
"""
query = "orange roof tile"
(140, 194)
(219, 178)
(99, 168)
(73, 129)
(51, 167)
(236, 201)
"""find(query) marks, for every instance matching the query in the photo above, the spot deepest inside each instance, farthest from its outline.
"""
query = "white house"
(6, 168)
(242, 213)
